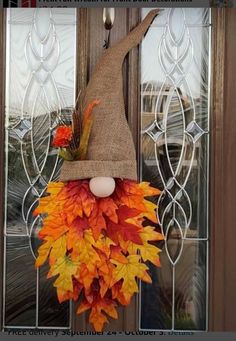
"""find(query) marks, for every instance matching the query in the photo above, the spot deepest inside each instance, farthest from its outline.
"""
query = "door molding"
(216, 261)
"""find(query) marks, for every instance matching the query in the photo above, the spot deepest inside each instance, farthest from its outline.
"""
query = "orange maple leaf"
(118, 295)
(104, 207)
(79, 200)
(133, 195)
(116, 254)
(96, 317)
(97, 222)
(108, 207)
(53, 226)
(105, 279)
(76, 231)
(128, 193)
(86, 277)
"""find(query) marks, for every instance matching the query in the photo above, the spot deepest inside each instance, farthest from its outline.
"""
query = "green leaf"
(65, 154)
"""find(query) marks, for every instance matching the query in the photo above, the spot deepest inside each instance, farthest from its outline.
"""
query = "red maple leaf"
(128, 232)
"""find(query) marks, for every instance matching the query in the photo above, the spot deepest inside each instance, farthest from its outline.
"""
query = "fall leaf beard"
(98, 247)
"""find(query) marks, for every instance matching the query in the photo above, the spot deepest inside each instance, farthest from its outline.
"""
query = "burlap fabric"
(111, 150)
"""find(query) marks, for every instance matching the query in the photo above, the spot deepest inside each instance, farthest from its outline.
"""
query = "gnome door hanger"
(93, 233)
(111, 152)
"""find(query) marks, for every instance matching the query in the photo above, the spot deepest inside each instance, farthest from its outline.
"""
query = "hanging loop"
(108, 20)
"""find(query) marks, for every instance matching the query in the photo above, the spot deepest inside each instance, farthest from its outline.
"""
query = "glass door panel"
(175, 78)
(40, 89)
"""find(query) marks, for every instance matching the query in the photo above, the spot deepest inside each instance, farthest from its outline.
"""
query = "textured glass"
(40, 92)
(175, 99)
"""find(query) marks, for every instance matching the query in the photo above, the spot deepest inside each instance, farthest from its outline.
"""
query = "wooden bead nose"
(102, 187)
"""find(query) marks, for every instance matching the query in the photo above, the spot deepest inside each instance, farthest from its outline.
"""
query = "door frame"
(2, 147)
(222, 280)
(216, 164)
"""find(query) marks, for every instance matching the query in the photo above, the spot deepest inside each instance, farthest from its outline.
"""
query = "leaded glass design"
(40, 91)
(175, 79)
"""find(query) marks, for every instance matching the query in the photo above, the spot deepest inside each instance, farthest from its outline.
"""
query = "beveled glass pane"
(175, 56)
(189, 279)
(20, 298)
(40, 91)
(50, 312)
(190, 287)
(156, 298)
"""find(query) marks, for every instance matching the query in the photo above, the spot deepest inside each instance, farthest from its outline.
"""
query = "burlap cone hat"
(111, 150)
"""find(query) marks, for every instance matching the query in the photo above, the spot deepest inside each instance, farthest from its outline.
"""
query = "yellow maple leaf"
(148, 190)
(149, 211)
(147, 251)
(43, 251)
(48, 203)
(54, 188)
(65, 268)
(58, 249)
(149, 234)
(103, 244)
(128, 273)
(86, 252)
